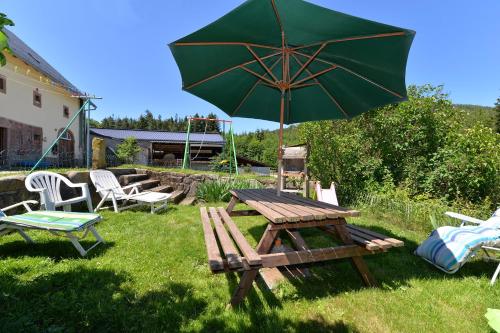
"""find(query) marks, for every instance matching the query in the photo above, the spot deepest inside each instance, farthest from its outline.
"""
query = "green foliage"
(218, 190)
(497, 116)
(478, 114)
(262, 145)
(128, 150)
(148, 121)
(4, 41)
(467, 166)
(425, 146)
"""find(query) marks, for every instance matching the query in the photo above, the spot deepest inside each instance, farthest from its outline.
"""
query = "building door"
(3, 146)
(66, 149)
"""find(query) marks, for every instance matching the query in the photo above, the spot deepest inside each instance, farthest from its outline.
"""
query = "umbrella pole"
(280, 145)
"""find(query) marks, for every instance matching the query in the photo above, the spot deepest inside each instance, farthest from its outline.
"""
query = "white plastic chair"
(110, 189)
(328, 196)
(491, 252)
(48, 185)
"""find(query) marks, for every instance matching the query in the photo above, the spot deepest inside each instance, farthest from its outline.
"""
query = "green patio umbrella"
(292, 61)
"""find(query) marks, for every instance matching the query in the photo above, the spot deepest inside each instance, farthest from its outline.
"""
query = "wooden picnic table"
(288, 213)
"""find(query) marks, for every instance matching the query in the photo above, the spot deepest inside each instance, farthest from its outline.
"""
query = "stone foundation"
(12, 189)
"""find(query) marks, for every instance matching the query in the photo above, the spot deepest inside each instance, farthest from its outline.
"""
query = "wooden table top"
(290, 208)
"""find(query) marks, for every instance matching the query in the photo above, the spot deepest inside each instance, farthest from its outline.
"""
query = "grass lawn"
(152, 276)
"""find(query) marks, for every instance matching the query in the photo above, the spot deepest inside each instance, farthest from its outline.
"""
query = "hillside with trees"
(148, 121)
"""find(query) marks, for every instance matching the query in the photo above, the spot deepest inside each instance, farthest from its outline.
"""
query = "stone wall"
(12, 189)
(188, 183)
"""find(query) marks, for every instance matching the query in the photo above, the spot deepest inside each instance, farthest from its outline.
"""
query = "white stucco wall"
(17, 103)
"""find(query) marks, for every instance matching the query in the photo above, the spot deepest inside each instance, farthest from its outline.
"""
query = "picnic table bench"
(229, 251)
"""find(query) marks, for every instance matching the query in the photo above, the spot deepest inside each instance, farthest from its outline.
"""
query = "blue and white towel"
(449, 248)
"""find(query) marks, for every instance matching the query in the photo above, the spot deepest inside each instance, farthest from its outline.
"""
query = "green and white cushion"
(51, 220)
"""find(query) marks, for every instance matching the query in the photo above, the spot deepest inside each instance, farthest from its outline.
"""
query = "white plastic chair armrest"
(77, 184)
(464, 218)
(131, 186)
(110, 189)
(23, 203)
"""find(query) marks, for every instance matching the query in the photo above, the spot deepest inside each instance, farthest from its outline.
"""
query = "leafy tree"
(4, 42)
(497, 109)
(128, 150)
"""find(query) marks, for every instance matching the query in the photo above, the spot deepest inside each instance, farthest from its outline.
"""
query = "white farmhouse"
(36, 104)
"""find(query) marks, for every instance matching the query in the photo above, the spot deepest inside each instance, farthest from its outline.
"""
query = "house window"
(3, 84)
(65, 111)
(37, 139)
(37, 98)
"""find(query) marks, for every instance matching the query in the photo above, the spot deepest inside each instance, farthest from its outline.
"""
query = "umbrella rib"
(252, 89)
(312, 76)
(353, 38)
(277, 14)
(334, 100)
(229, 70)
(263, 78)
(350, 71)
(262, 63)
(308, 62)
(226, 44)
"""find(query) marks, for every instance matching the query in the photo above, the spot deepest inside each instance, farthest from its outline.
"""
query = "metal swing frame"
(186, 162)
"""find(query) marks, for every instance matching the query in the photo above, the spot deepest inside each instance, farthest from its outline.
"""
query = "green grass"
(152, 276)
(26, 172)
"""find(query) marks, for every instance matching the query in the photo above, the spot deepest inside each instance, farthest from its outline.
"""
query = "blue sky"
(117, 49)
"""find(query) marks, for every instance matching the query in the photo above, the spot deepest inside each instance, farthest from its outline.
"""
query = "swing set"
(186, 163)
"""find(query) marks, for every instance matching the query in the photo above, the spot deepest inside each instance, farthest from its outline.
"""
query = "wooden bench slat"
(252, 257)
(214, 257)
(230, 251)
(275, 217)
(358, 240)
(383, 244)
(393, 241)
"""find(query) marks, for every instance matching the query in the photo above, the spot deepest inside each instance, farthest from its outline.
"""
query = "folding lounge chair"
(110, 189)
(449, 248)
(48, 185)
(58, 223)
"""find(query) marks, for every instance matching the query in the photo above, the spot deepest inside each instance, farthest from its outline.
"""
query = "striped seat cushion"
(448, 248)
(52, 220)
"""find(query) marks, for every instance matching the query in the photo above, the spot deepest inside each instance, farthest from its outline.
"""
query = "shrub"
(467, 167)
(128, 150)
(218, 190)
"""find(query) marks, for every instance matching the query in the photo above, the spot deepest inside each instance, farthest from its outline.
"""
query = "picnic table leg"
(358, 262)
(265, 244)
(232, 203)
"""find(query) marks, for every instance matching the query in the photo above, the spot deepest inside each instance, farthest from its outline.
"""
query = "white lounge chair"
(65, 224)
(110, 189)
(328, 196)
(48, 185)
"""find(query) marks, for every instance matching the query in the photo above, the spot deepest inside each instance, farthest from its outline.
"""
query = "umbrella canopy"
(292, 61)
(325, 64)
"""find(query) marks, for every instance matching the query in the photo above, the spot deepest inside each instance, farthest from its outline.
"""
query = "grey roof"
(158, 136)
(29, 56)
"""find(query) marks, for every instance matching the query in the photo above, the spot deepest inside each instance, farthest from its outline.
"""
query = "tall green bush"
(467, 167)
(423, 146)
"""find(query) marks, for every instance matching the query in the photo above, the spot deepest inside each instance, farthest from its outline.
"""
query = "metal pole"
(60, 135)
(88, 137)
(186, 148)
(234, 149)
